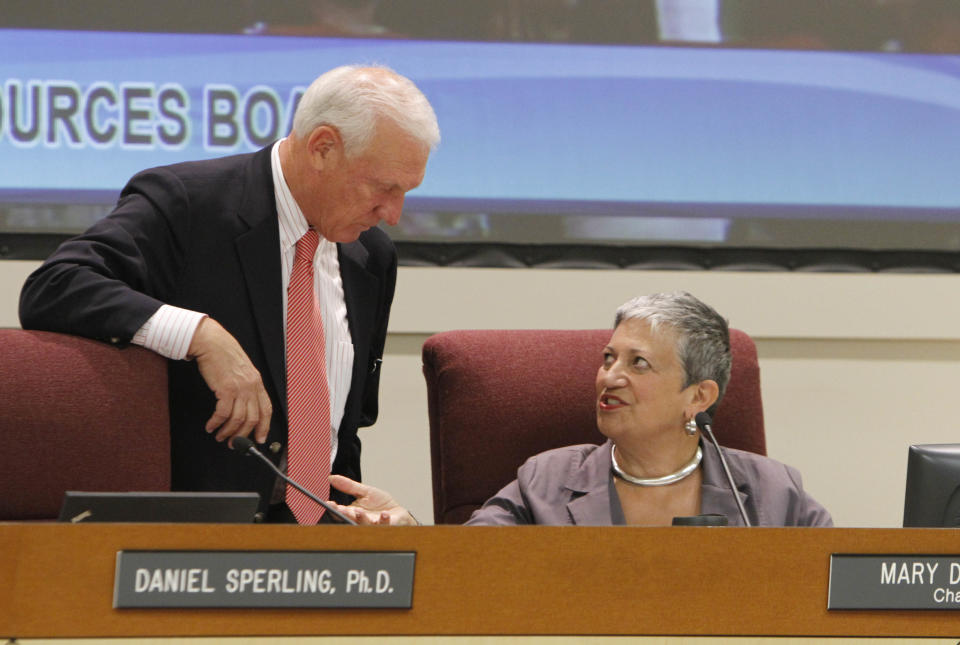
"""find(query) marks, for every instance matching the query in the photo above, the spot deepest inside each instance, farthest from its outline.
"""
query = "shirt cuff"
(169, 331)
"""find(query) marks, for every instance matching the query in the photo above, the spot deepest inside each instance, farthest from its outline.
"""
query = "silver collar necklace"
(673, 477)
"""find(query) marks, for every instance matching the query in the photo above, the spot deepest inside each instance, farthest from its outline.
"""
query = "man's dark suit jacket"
(204, 236)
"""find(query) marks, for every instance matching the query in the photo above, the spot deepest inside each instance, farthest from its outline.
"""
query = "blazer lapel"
(259, 252)
(716, 496)
(360, 292)
(588, 481)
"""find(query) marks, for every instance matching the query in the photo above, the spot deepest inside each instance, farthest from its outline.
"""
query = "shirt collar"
(293, 225)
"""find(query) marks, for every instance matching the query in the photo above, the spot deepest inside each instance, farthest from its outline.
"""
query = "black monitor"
(159, 507)
(933, 486)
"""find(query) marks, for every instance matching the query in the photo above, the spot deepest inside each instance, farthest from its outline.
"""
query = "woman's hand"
(372, 505)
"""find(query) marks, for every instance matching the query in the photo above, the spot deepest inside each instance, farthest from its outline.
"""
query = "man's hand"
(372, 506)
(242, 401)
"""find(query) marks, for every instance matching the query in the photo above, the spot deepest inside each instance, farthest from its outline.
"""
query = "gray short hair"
(703, 337)
(352, 98)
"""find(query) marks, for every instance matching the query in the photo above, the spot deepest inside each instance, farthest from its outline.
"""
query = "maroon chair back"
(76, 414)
(497, 397)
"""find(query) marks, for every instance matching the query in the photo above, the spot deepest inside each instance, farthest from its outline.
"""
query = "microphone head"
(241, 444)
(703, 421)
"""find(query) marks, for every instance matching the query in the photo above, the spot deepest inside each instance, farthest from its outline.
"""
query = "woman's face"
(640, 389)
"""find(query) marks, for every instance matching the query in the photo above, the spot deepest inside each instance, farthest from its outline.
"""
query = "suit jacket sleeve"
(105, 283)
(506, 508)
(773, 491)
(536, 496)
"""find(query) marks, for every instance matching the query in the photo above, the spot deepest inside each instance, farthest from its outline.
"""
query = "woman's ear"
(705, 394)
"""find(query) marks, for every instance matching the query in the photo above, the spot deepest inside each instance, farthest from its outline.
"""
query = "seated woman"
(668, 360)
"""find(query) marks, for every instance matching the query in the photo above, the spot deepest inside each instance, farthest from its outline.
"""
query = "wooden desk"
(56, 580)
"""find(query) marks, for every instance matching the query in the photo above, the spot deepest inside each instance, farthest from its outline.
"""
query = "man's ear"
(324, 146)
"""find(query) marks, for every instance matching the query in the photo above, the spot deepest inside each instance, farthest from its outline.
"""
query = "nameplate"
(894, 582)
(264, 579)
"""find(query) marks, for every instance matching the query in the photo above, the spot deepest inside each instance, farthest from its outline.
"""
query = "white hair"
(352, 98)
(703, 337)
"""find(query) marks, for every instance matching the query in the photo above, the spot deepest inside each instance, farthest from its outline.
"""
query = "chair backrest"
(76, 414)
(497, 397)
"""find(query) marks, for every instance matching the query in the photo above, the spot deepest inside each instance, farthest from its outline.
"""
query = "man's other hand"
(372, 505)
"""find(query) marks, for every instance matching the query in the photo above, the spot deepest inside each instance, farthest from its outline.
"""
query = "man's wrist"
(170, 332)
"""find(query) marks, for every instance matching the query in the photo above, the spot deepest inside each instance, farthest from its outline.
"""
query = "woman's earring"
(691, 427)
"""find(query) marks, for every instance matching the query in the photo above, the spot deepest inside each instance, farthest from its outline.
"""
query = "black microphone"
(704, 422)
(245, 446)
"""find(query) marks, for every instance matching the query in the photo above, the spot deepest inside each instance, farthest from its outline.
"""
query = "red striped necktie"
(308, 396)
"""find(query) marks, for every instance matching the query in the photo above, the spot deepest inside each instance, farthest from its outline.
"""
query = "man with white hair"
(212, 264)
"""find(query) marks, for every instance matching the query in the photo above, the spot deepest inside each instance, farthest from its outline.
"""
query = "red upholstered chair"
(497, 397)
(76, 414)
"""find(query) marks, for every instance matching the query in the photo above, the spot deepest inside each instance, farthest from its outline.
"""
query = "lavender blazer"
(573, 485)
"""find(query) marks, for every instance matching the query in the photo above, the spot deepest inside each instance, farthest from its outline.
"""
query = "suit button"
(275, 447)
(114, 340)
(258, 518)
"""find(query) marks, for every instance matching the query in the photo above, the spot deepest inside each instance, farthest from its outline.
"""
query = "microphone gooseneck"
(705, 423)
(245, 446)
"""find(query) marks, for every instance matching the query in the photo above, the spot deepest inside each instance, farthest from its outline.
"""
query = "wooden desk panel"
(57, 581)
